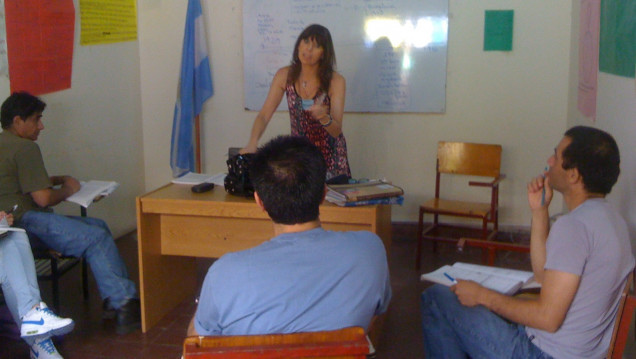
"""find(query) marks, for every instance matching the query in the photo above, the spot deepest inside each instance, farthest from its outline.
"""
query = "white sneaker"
(43, 348)
(41, 320)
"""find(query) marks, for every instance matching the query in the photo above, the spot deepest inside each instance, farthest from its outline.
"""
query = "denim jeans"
(89, 238)
(452, 330)
(18, 277)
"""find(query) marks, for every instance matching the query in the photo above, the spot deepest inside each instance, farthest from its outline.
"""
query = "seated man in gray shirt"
(582, 262)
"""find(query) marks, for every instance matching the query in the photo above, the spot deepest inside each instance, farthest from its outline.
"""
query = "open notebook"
(5, 229)
(502, 280)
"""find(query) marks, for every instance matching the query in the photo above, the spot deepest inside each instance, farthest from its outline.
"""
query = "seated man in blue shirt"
(305, 278)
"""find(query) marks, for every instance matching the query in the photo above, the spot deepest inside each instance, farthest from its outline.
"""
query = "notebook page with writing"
(522, 276)
(500, 284)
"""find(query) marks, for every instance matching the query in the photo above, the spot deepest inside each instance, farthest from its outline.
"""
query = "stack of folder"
(362, 194)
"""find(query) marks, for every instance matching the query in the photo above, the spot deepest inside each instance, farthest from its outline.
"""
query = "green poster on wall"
(498, 26)
(617, 50)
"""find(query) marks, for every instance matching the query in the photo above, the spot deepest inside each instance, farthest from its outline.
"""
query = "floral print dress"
(334, 149)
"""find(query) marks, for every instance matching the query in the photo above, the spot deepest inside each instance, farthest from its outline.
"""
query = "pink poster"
(40, 37)
(589, 33)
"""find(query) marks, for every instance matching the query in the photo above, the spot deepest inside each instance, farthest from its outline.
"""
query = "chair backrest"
(343, 343)
(473, 159)
(624, 317)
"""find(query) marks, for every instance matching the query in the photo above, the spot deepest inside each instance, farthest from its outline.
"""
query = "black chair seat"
(51, 266)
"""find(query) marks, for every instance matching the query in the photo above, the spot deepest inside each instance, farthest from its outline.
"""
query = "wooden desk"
(175, 225)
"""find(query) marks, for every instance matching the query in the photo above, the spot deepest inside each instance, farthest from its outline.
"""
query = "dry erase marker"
(450, 278)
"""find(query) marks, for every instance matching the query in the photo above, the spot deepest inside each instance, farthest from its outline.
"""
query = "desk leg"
(383, 227)
(164, 281)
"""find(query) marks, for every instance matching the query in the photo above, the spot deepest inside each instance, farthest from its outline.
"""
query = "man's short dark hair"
(594, 153)
(288, 174)
(21, 104)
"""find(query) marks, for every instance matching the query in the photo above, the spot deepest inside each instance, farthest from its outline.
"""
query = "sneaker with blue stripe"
(43, 348)
(41, 320)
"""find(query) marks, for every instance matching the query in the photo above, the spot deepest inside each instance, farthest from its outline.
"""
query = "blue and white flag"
(195, 87)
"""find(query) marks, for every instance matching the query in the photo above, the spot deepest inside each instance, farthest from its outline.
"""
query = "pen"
(451, 278)
(15, 206)
(543, 190)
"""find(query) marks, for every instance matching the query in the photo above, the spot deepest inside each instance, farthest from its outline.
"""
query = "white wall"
(518, 99)
(93, 130)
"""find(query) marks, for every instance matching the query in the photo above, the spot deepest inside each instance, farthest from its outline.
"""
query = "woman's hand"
(319, 112)
(247, 149)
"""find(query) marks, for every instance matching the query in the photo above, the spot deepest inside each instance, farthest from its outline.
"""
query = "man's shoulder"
(18, 144)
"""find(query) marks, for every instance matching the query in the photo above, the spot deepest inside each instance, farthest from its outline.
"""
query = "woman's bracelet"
(328, 122)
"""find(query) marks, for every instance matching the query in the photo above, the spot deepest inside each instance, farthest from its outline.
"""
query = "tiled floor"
(94, 338)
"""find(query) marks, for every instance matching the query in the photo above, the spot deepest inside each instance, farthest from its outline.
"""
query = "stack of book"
(362, 194)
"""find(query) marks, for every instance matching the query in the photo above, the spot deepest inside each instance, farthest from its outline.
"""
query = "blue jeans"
(452, 330)
(89, 238)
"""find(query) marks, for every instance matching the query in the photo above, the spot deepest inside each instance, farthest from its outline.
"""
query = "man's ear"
(574, 176)
(259, 201)
(17, 118)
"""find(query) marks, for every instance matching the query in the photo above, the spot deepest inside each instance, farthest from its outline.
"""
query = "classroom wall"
(93, 130)
(616, 114)
(518, 99)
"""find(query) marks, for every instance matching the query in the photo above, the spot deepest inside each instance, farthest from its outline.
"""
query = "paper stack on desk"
(361, 194)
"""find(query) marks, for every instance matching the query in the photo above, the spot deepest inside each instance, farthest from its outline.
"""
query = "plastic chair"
(467, 159)
(343, 343)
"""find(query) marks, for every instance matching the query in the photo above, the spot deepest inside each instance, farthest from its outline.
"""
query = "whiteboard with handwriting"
(392, 53)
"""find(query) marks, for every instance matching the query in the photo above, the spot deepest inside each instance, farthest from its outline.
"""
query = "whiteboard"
(392, 53)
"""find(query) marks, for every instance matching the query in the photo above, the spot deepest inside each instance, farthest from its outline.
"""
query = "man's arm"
(546, 313)
(51, 196)
(539, 197)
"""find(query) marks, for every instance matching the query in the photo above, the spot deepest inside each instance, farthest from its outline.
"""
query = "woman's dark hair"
(327, 64)
(21, 104)
(595, 155)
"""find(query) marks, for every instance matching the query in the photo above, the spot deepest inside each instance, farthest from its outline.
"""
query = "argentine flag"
(195, 87)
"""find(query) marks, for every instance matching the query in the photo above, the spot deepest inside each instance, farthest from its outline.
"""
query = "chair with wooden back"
(624, 317)
(491, 248)
(467, 159)
(347, 343)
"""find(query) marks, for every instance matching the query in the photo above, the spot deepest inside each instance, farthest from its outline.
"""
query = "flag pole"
(197, 144)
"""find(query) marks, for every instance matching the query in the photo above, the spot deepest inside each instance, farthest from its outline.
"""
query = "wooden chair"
(343, 343)
(624, 317)
(468, 159)
(491, 248)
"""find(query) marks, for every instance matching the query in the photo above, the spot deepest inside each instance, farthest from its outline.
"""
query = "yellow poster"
(107, 21)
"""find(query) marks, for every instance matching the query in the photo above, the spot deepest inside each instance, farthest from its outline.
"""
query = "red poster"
(40, 38)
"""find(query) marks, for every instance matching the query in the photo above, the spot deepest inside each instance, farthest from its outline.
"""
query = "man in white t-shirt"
(582, 262)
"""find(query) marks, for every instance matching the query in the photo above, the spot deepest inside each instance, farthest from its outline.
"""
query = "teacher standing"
(315, 97)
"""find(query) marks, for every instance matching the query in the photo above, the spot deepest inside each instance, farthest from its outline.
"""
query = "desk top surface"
(179, 192)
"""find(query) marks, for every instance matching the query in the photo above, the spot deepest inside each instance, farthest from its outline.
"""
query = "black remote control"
(202, 187)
